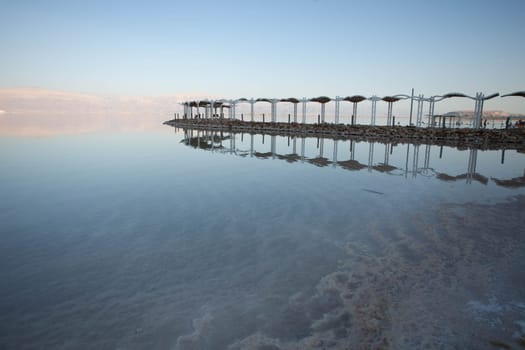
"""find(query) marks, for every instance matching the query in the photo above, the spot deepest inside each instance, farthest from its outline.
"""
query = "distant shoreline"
(483, 139)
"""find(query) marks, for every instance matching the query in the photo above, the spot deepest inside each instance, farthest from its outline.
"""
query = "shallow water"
(165, 240)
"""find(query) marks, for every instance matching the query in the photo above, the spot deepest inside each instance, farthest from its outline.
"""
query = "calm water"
(178, 239)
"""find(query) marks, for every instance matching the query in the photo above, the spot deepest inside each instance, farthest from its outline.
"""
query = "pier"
(215, 109)
(434, 129)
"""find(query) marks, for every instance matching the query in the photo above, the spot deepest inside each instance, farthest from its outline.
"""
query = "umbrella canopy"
(321, 99)
(291, 100)
(218, 104)
(391, 99)
(454, 94)
(351, 165)
(354, 99)
(198, 103)
(517, 93)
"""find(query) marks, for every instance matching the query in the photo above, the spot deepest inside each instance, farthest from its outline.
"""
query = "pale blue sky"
(264, 48)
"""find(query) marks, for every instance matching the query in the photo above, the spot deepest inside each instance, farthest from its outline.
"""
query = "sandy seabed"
(451, 280)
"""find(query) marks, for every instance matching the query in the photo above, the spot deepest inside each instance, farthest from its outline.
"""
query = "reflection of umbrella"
(196, 143)
(265, 155)
(478, 177)
(290, 158)
(351, 165)
(512, 183)
(384, 168)
(319, 161)
(445, 177)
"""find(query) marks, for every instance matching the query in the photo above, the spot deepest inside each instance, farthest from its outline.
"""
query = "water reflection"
(141, 242)
(387, 158)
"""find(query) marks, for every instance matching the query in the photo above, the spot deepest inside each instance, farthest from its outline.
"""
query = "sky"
(265, 48)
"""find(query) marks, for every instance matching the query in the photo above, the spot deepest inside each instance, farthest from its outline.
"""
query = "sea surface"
(181, 239)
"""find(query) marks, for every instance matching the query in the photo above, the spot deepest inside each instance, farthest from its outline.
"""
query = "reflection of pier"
(417, 158)
(460, 138)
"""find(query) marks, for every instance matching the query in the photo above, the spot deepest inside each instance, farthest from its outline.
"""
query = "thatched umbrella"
(355, 100)
(517, 94)
(322, 100)
(198, 104)
(221, 104)
(390, 100)
(453, 94)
